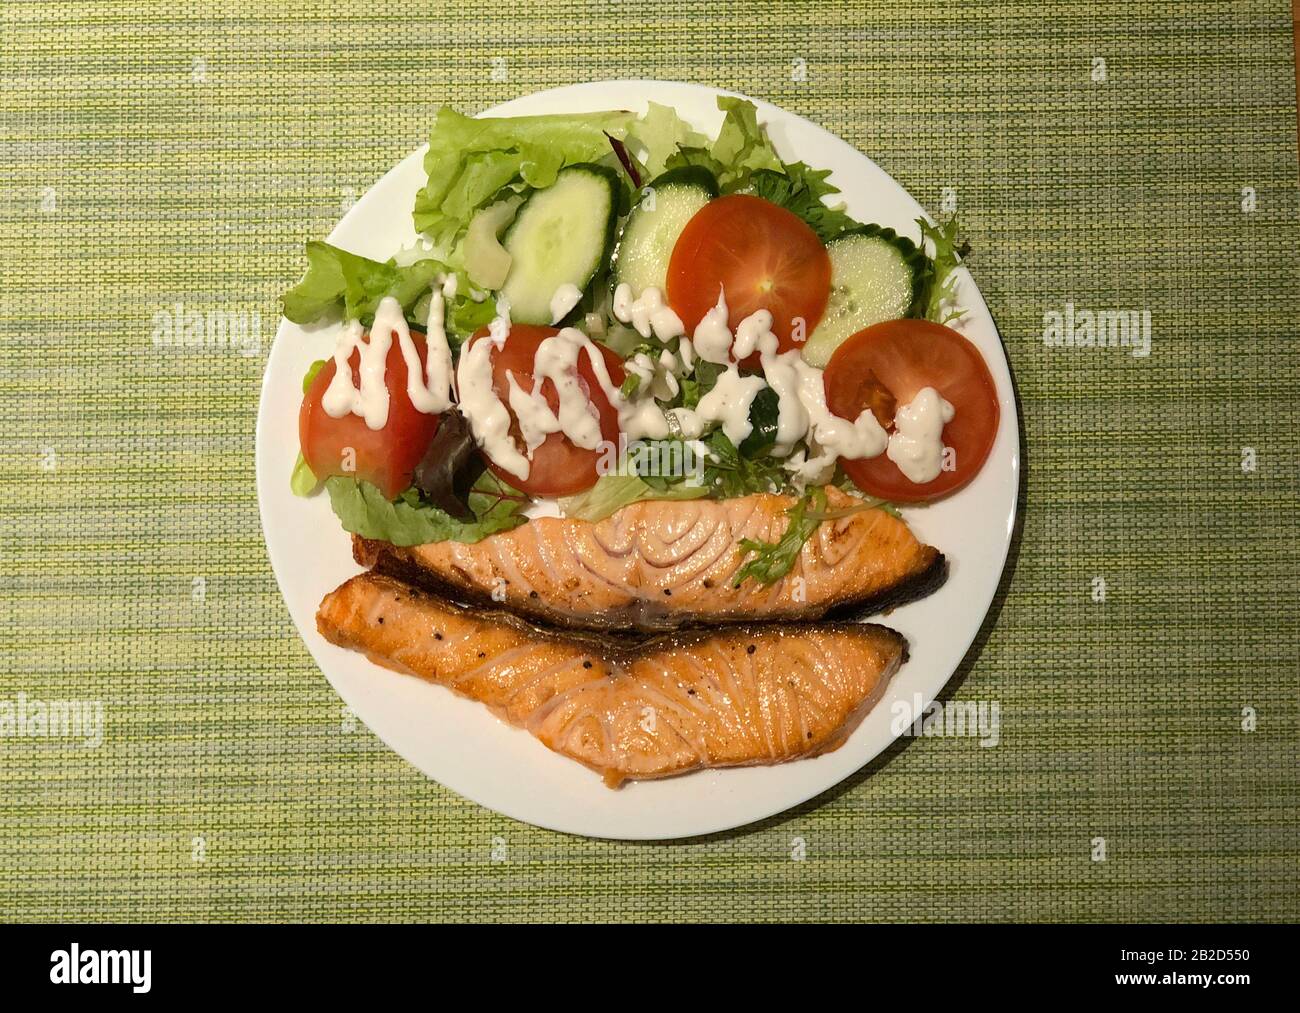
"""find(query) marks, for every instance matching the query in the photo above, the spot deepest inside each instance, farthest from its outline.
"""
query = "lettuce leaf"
(613, 492)
(799, 189)
(661, 132)
(471, 160)
(467, 316)
(302, 481)
(742, 145)
(362, 510)
(683, 157)
(339, 284)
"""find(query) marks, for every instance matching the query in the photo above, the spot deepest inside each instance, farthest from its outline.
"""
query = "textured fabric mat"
(1144, 654)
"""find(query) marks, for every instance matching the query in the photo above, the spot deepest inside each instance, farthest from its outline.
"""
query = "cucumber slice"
(486, 261)
(652, 228)
(562, 235)
(876, 275)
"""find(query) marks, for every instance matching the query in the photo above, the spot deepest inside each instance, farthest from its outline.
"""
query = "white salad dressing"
(686, 423)
(830, 435)
(433, 395)
(648, 313)
(536, 420)
(499, 325)
(748, 331)
(916, 445)
(729, 401)
(429, 388)
(370, 400)
(488, 418)
(557, 360)
(665, 381)
(641, 366)
(784, 377)
(712, 337)
(686, 352)
(565, 298)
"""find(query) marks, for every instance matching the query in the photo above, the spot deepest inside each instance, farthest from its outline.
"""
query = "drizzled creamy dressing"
(488, 418)
(429, 389)
(728, 403)
(748, 333)
(712, 337)
(499, 328)
(648, 313)
(535, 424)
(916, 446)
(566, 297)
(802, 413)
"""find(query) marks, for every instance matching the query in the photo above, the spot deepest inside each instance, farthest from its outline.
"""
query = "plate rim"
(973, 300)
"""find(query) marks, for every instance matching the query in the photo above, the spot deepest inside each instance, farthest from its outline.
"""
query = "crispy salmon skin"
(662, 564)
(731, 696)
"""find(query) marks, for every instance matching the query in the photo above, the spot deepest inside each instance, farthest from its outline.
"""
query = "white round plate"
(458, 742)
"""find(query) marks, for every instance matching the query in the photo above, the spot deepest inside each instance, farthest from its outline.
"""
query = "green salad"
(607, 308)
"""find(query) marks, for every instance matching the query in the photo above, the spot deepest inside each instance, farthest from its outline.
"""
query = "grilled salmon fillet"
(661, 564)
(675, 703)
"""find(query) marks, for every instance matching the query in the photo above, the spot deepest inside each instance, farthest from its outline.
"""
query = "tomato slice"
(559, 468)
(386, 457)
(903, 356)
(763, 256)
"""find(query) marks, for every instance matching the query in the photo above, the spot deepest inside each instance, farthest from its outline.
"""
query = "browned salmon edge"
(625, 650)
(391, 561)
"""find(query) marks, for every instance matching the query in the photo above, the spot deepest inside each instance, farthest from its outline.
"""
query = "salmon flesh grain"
(663, 564)
(730, 696)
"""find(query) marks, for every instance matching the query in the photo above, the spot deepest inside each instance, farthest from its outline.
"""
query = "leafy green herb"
(664, 464)
(730, 473)
(800, 189)
(843, 482)
(630, 384)
(467, 316)
(409, 520)
(764, 414)
(700, 382)
(863, 503)
(940, 283)
(773, 560)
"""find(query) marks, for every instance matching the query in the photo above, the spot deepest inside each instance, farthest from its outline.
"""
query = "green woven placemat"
(1144, 654)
